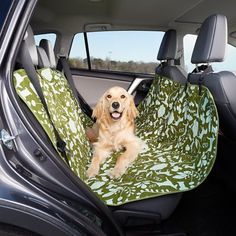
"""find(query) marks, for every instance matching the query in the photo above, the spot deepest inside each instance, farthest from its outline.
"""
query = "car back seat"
(158, 208)
(177, 163)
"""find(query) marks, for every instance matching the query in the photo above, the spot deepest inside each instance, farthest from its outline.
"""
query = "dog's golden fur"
(114, 130)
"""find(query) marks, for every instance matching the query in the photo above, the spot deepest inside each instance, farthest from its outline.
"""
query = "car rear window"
(123, 51)
(49, 36)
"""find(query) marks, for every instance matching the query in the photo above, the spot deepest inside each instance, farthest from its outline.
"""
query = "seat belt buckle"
(61, 55)
(61, 146)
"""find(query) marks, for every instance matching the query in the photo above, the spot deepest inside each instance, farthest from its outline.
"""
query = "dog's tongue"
(115, 115)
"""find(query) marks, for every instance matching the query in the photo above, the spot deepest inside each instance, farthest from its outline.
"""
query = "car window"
(78, 55)
(4, 8)
(228, 64)
(189, 42)
(125, 51)
(49, 36)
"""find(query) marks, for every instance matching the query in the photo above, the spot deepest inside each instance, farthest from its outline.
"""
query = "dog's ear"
(99, 109)
(132, 110)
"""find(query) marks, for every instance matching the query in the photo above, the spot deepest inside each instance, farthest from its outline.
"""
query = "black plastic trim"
(36, 222)
(87, 51)
(110, 72)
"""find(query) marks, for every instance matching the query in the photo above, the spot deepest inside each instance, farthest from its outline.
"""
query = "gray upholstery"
(168, 53)
(222, 85)
(30, 43)
(47, 46)
(43, 58)
(168, 48)
(210, 44)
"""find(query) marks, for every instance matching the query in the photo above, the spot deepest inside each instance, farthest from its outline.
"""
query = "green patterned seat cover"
(178, 124)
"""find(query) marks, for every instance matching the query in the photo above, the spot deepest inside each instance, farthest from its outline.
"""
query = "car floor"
(209, 209)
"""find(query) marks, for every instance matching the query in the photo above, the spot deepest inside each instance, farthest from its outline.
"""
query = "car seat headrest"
(47, 46)
(211, 41)
(43, 58)
(168, 48)
(31, 45)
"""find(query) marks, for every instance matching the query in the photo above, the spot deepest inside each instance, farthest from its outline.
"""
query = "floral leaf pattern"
(178, 123)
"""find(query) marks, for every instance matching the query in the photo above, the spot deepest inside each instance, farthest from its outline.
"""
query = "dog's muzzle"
(115, 114)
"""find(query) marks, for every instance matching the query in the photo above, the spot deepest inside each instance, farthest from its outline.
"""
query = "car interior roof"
(71, 17)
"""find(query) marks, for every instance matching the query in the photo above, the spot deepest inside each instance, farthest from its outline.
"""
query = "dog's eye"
(109, 96)
(122, 96)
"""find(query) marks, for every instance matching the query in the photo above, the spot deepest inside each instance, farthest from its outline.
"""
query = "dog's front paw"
(92, 171)
(116, 173)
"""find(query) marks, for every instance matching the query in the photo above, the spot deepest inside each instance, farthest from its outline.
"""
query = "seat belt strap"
(63, 65)
(27, 64)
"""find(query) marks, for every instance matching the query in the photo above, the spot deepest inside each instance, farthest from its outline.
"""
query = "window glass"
(4, 8)
(50, 36)
(126, 51)
(228, 64)
(230, 60)
(189, 42)
(78, 56)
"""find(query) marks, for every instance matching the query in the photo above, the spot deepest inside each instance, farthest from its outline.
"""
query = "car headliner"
(70, 17)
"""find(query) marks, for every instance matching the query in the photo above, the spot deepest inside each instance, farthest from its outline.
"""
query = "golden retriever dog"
(114, 130)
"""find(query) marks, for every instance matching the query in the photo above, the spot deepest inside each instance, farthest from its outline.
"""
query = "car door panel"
(92, 84)
(92, 88)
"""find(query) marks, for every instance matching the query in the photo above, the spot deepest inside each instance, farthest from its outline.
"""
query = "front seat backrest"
(210, 47)
(167, 55)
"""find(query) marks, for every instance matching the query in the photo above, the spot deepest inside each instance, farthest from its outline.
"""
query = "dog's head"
(114, 105)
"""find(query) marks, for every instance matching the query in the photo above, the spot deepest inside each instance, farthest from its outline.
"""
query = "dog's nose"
(115, 105)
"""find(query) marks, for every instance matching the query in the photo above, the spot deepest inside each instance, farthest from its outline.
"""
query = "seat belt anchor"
(7, 139)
